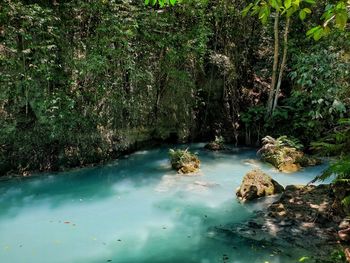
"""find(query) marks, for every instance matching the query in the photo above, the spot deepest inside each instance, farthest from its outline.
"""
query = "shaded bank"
(305, 219)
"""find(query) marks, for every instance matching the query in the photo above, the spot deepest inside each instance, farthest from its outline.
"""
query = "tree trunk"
(274, 68)
(283, 63)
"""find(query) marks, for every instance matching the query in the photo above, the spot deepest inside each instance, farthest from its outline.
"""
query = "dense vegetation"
(83, 81)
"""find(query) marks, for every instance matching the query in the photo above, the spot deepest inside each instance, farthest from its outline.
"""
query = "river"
(136, 209)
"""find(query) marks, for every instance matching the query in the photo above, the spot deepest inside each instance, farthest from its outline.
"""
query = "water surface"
(136, 209)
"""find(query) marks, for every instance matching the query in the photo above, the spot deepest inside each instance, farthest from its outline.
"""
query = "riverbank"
(70, 157)
(305, 218)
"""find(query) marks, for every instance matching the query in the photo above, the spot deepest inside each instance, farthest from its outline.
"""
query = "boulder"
(300, 219)
(285, 155)
(189, 167)
(257, 184)
(183, 161)
(289, 167)
(347, 254)
(213, 146)
(344, 234)
(217, 145)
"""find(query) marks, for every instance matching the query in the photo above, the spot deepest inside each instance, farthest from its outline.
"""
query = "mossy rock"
(217, 145)
(257, 184)
(214, 146)
(183, 161)
(305, 161)
(284, 157)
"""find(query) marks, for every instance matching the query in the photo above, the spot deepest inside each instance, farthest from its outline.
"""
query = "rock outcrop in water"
(257, 184)
(183, 161)
(285, 154)
(304, 219)
(217, 145)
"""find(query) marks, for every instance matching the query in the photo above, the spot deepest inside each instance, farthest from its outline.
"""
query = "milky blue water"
(135, 209)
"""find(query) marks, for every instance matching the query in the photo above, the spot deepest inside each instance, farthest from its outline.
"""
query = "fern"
(337, 143)
(291, 142)
(346, 201)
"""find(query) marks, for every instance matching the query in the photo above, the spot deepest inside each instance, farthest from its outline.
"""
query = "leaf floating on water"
(6, 248)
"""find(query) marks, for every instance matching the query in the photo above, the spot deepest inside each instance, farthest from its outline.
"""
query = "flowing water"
(135, 210)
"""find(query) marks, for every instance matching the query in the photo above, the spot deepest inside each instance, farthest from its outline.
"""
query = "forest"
(85, 84)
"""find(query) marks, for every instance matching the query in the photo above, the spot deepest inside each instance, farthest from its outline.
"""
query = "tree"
(287, 8)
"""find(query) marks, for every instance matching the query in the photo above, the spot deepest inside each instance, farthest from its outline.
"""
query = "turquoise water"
(135, 210)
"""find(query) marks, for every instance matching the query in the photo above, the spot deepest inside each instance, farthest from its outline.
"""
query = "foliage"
(161, 3)
(183, 160)
(285, 154)
(338, 256)
(335, 15)
(78, 75)
(337, 143)
(219, 140)
(84, 81)
(263, 8)
(271, 144)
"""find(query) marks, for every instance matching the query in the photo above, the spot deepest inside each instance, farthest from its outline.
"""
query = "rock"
(183, 161)
(345, 223)
(305, 161)
(285, 155)
(302, 219)
(217, 145)
(344, 234)
(213, 146)
(206, 184)
(189, 167)
(289, 167)
(257, 184)
(201, 186)
(341, 191)
(347, 254)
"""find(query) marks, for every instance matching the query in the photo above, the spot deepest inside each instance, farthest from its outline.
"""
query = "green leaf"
(296, 3)
(246, 9)
(310, 1)
(318, 34)
(302, 14)
(146, 2)
(274, 4)
(312, 30)
(287, 3)
(255, 9)
(172, 2)
(340, 19)
(291, 11)
(264, 14)
(307, 10)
